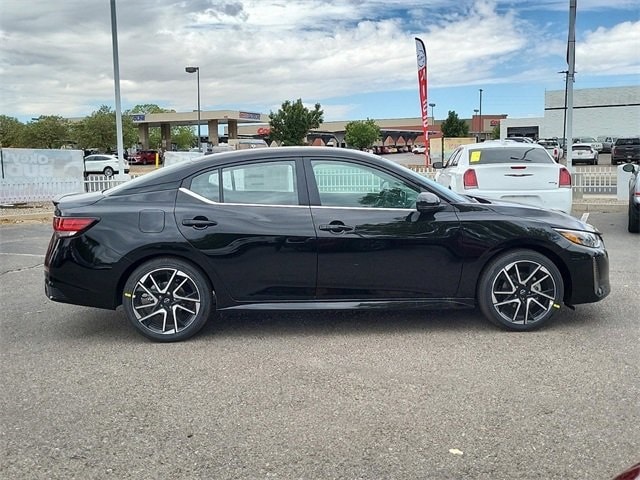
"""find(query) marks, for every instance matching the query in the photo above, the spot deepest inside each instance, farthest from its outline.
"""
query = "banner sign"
(421, 54)
(249, 115)
(35, 175)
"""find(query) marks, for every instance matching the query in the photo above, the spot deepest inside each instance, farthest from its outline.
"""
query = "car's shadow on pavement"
(230, 324)
(106, 324)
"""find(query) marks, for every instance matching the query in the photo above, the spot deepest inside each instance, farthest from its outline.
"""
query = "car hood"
(552, 217)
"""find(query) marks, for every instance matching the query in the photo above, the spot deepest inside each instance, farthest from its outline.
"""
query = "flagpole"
(571, 61)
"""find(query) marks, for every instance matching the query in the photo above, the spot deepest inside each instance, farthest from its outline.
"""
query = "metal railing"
(593, 180)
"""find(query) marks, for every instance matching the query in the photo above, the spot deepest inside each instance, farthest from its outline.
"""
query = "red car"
(144, 157)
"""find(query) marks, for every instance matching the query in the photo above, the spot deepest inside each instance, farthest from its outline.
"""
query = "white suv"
(103, 164)
(508, 171)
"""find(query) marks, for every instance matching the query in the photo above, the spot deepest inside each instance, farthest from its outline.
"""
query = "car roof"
(490, 144)
(173, 174)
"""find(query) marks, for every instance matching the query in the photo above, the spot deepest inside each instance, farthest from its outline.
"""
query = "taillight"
(565, 178)
(70, 226)
(469, 179)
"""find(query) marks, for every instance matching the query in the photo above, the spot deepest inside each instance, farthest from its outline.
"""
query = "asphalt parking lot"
(402, 395)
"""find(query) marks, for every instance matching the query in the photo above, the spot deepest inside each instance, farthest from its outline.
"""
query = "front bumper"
(590, 279)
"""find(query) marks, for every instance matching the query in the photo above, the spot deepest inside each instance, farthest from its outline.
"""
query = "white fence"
(45, 191)
(590, 180)
(586, 181)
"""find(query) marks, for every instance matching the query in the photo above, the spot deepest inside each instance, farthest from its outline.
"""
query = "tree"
(291, 124)
(495, 133)
(361, 133)
(454, 127)
(11, 131)
(184, 137)
(48, 131)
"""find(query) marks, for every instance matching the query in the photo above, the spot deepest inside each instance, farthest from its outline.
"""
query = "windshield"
(514, 154)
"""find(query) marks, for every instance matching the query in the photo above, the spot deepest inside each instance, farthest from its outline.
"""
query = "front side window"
(268, 183)
(452, 161)
(344, 184)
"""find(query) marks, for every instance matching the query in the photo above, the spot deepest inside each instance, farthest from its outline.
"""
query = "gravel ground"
(26, 213)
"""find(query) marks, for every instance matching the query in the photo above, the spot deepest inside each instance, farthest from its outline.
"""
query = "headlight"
(586, 239)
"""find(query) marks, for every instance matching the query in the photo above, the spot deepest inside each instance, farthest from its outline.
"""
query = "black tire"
(167, 299)
(634, 219)
(516, 279)
(108, 172)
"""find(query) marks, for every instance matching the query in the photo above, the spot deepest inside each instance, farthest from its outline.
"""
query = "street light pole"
(475, 110)
(481, 129)
(428, 139)
(196, 70)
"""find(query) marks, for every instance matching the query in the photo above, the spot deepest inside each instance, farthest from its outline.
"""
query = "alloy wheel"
(523, 292)
(166, 301)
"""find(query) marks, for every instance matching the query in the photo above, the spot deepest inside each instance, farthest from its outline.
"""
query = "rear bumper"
(558, 199)
(62, 292)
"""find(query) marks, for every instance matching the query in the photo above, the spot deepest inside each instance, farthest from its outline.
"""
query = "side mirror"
(427, 202)
(437, 165)
(628, 167)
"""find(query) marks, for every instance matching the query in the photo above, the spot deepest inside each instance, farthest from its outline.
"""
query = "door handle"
(199, 222)
(335, 227)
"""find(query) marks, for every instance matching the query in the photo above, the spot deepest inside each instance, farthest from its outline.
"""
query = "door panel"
(260, 250)
(372, 243)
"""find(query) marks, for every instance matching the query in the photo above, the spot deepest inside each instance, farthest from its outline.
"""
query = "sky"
(356, 58)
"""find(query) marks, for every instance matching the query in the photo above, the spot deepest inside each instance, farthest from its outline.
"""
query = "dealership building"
(613, 111)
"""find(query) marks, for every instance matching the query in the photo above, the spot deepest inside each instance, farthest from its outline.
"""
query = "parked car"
(584, 153)
(597, 146)
(299, 228)
(419, 149)
(144, 157)
(607, 143)
(634, 197)
(108, 165)
(508, 171)
(626, 149)
(553, 147)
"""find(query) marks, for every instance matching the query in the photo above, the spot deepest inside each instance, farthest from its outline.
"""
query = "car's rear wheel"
(108, 172)
(167, 299)
(520, 290)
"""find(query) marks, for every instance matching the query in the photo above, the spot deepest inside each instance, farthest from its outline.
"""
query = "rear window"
(628, 141)
(581, 147)
(509, 155)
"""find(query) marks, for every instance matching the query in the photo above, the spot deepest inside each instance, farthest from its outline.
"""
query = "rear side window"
(628, 141)
(508, 155)
(268, 183)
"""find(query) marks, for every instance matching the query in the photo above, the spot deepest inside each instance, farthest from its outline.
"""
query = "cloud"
(611, 51)
(56, 58)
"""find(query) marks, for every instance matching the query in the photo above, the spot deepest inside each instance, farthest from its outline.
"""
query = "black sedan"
(299, 228)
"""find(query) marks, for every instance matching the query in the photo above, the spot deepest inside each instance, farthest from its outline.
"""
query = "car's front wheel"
(167, 299)
(634, 219)
(520, 290)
